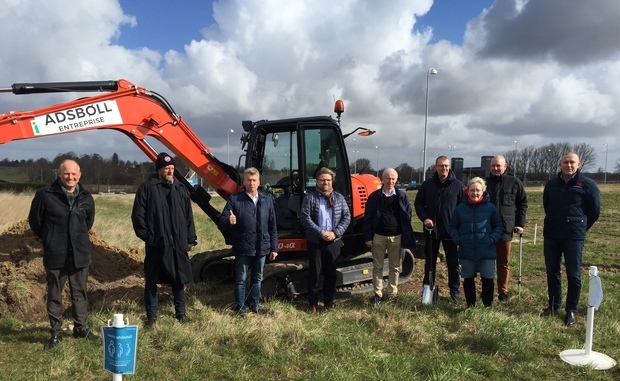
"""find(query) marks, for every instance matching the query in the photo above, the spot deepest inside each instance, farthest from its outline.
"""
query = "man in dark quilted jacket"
(572, 205)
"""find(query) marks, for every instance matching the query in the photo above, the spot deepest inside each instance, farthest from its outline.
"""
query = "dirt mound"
(115, 275)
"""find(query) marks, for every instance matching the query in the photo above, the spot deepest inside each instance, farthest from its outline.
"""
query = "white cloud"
(527, 71)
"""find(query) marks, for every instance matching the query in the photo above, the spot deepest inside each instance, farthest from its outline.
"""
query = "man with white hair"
(61, 215)
(387, 229)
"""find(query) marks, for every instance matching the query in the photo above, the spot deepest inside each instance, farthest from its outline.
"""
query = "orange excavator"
(287, 152)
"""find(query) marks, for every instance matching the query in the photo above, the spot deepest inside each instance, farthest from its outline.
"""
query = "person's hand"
(329, 236)
(190, 246)
(518, 229)
(369, 244)
(428, 223)
(273, 255)
(232, 219)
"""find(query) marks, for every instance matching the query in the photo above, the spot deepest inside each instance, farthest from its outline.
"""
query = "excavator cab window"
(288, 154)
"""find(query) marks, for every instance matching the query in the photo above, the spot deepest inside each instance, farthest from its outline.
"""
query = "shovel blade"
(428, 294)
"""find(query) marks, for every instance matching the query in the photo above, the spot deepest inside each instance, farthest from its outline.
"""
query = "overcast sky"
(534, 72)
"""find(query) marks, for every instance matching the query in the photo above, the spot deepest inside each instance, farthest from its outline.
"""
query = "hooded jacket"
(571, 208)
(162, 217)
(437, 201)
(508, 196)
(475, 228)
(63, 228)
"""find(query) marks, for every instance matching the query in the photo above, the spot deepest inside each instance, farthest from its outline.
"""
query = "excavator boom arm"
(136, 112)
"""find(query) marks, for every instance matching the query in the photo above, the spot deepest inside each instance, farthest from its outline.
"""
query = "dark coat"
(63, 228)
(570, 208)
(162, 217)
(309, 217)
(372, 215)
(255, 232)
(508, 196)
(437, 201)
(473, 226)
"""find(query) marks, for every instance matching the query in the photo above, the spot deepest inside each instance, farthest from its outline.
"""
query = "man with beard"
(162, 217)
(325, 217)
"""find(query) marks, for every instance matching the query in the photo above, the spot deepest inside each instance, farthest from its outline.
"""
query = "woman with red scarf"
(475, 228)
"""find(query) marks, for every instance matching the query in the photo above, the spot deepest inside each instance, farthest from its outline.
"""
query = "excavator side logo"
(93, 115)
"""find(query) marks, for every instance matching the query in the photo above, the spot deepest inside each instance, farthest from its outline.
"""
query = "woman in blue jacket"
(475, 228)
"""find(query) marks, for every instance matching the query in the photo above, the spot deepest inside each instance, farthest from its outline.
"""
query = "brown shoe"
(312, 309)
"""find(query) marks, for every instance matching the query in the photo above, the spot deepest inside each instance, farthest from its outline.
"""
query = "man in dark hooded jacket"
(61, 216)
(434, 205)
(162, 217)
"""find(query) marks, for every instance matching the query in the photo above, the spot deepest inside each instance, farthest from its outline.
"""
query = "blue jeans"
(486, 268)
(572, 249)
(255, 264)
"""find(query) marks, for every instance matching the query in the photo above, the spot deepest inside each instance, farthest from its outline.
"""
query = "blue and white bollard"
(120, 343)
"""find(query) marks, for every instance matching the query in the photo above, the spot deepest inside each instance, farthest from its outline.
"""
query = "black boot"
(469, 287)
(488, 286)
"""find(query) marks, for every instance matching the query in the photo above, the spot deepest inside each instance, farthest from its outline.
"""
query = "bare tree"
(363, 166)
(617, 166)
(405, 172)
(587, 155)
(524, 160)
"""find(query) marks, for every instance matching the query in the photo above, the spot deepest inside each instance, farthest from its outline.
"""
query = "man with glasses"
(434, 205)
(325, 217)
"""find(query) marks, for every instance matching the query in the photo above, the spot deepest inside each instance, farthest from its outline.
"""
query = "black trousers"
(151, 304)
(56, 279)
(322, 257)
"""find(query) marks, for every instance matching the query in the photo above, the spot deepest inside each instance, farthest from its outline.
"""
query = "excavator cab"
(288, 154)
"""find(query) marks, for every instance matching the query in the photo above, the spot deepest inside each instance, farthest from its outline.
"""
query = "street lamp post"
(606, 152)
(377, 148)
(355, 156)
(228, 145)
(423, 169)
(515, 159)
(430, 72)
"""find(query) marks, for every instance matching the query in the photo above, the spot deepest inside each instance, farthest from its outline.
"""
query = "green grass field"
(402, 340)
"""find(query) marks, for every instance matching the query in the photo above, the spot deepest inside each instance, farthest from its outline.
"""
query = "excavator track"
(288, 279)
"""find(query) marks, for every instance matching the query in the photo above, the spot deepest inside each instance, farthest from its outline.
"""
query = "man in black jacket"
(508, 196)
(434, 204)
(61, 216)
(572, 205)
(162, 217)
(387, 229)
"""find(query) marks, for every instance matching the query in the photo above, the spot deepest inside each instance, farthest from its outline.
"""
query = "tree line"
(530, 164)
(98, 172)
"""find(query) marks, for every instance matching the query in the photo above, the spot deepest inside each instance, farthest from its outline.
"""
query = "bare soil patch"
(115, 275)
